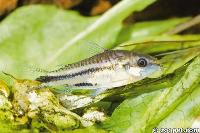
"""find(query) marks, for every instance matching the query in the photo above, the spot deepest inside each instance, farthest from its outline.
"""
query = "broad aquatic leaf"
(160, 44)
(46, 36)
(172, 43)
(145, 112)
(128, 113)
(177, 59)
(104, 30)
(32, 41)
(185, 114)
(141, 30)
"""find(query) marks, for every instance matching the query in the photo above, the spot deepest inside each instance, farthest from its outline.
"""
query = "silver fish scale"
(106, 56)
(98, 63)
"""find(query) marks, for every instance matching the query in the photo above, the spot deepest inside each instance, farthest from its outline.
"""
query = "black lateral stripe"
(46, 79)
(83, 84)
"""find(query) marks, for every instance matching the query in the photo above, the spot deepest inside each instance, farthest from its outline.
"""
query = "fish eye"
(142, 62)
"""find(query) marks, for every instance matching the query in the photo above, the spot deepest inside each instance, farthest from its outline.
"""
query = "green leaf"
(103, 31)
(147, 111)
(141, 30)
(125, 117)
(159, 44)
(174, 61)
(57, 36)
(32, 41)
(185, 114)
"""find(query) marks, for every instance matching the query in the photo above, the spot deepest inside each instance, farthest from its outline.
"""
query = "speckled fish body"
(112, 68)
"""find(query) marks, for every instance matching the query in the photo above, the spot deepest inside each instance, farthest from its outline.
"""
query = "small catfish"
(109, 69)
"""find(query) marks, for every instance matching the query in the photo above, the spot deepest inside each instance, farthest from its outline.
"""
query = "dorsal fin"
(93, 48)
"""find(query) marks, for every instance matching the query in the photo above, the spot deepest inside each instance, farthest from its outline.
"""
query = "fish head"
(141, 66)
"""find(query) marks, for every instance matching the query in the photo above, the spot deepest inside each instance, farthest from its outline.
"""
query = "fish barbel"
(109, 69)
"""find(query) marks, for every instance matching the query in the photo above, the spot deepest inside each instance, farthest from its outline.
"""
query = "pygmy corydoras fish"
(109, 69)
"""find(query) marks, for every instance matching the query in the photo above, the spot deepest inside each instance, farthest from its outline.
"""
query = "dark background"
(162, 9)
